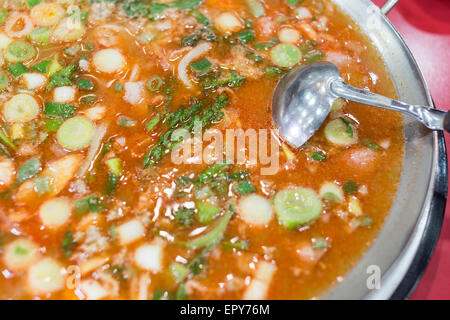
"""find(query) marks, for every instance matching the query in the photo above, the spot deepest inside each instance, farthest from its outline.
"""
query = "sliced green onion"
(6, 141)
(17, 69)
(201, 66)
(19, 51)
(115, 166)
(179, 271)
(235, 244)
(206, 212)
(63, 110)
(40, 36)
(256, 8)
(88, 204)
(28, 169)
(272, 72)
(154, 84)
(330, 191)
(32, 3)
(21, 108)
(297, 206)
(201, 18)
(76, 133)
(152, 123)
(370, 144)
(52, 124)
(213, 236)
(112, 182)
(319, 243)
(340, 132)
(3, 15)
(4, 80)
(42, 184)
(285, 55)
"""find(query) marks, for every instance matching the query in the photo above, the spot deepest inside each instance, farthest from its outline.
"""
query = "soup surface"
(137, 161)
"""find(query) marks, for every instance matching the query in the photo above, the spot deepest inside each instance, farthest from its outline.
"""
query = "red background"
(425, 26)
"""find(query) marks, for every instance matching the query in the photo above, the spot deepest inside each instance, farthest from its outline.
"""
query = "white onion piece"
(109, 61)
(289, 35)
(34, 80)
(255, 209)
(130, 231)
(302, 13)
(149, 257)
(7, 173)
(4, 41)
(228, 23)
(64, 94)
(195, 53)
(95, 113)
(46, 276)
(11, 23)
(93, 290)
(20, 254)
(55, 212)
(259, 285)
(93, 149)
(134, 92)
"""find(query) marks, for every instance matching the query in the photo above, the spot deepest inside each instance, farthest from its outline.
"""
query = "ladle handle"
(430, 117)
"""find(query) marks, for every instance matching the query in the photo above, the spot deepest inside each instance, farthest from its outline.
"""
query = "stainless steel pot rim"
(405, 243)
(414, 259)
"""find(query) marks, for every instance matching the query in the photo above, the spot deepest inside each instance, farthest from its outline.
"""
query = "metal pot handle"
(388, 5)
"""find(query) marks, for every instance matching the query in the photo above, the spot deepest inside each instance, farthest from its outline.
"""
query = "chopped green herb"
(67, 244)
(232, 80)
(42, 66)
(85, 84)
(62, 77)
(246, 36)
(272, 72)
(63, 110)
(90, 99)
(17, 69)
(126, 122)
(318, 156)
(184, 216)
(244, 187)
(350, 187)
(118, 87)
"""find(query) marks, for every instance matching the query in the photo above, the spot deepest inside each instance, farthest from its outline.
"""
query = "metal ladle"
(304, 97)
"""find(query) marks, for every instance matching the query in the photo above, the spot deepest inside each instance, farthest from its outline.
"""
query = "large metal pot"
(406, 241)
